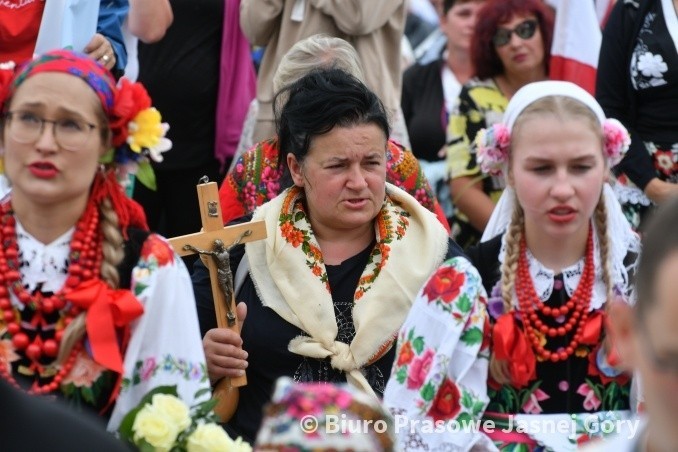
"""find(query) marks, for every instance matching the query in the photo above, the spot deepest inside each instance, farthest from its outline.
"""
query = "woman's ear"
(295, 170)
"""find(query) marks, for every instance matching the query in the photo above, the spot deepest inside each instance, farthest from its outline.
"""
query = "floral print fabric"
(255, 179)
(440, 369)
(480, 105)
(155, 355)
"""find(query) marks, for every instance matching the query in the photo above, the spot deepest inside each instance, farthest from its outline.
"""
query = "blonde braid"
(113, 254)
(509, 268)
(600, 219)
(112, 245)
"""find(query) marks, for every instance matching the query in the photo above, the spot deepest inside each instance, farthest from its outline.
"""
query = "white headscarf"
(623, 238)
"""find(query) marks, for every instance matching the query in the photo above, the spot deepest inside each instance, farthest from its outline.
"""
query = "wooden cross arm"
(205, 240)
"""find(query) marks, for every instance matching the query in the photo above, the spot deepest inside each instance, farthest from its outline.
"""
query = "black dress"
(576, 385)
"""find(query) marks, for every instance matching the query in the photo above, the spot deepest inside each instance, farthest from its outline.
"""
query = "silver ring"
(105, 58)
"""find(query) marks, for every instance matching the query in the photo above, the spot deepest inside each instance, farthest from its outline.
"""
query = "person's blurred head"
(458, 21)
(512, 36)
(316, 52)
(332, 134)
(324, 417)
(645, 335)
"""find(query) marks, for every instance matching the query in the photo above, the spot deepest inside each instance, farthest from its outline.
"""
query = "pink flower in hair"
(492, 148)
(617, 141)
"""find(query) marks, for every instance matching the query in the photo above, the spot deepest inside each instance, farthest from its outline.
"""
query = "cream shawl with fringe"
(289, 275)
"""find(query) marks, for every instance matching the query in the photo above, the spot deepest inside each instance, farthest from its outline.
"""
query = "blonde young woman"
(91, 301)
(550, 266)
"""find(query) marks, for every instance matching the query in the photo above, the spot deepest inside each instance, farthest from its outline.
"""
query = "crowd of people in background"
(470, 235)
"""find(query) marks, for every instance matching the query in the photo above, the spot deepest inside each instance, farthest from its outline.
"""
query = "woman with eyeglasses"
(510, 48)
(90, 301)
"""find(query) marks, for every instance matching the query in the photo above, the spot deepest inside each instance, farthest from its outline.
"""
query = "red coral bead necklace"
(575, 311)
(84, 264)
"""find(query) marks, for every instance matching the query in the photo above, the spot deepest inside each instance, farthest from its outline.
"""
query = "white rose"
(175, 410)
(212, 438)
(155, 428)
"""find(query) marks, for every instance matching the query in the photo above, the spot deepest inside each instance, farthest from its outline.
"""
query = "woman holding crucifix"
(344, 257)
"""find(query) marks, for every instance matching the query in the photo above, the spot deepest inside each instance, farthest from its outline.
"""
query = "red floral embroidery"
(445, 284)
(405, 354)
(294, 236)
(158, 248)
(446, 402)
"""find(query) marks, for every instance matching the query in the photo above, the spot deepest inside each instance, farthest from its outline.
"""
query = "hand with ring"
(100, 49)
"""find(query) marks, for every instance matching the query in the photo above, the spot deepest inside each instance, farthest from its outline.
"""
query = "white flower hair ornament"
(616, 141)
(492, 149)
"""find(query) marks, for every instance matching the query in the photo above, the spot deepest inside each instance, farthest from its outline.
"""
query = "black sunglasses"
(524, 30)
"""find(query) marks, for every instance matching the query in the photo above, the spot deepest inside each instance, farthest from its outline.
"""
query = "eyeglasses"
(27, 128)
(524, 30)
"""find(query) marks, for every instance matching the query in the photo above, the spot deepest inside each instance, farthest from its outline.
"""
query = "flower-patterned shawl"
(290, 277)
(441, 363)
(255, 179)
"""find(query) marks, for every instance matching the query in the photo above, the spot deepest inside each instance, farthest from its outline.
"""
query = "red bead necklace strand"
(84, 263)
(576, 310)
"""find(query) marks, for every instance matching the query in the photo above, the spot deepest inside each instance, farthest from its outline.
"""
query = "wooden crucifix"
(214, 242)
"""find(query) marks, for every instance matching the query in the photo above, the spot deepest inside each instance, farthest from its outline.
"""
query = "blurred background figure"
(646, 338)
(431, 90)
(637, 83)
(510, 48)
(335, 407)
(57, 427)
(22, 22)
(374, 28)
(148, 19)
(186, 72)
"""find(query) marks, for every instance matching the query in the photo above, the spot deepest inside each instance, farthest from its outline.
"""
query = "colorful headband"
(138, 133)
(493, 143)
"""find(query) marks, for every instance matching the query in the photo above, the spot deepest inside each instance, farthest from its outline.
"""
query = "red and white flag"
(603, 9)
(576, 43)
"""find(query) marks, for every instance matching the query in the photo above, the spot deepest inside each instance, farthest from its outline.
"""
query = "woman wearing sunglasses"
(510, 48)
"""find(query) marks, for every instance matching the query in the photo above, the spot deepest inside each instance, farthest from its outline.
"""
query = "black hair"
(449, 4)
(318, 102)
(660, 240)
